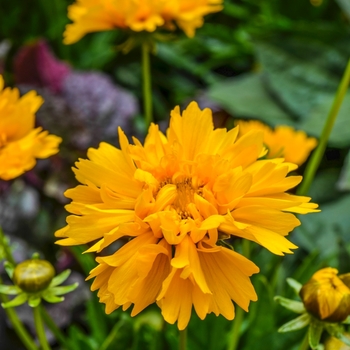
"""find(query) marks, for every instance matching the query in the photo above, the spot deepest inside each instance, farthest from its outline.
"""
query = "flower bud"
(327, 295)
(33, 275)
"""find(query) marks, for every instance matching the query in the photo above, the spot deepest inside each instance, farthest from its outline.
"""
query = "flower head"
(20, 142)
(327, 295)
(138, 15)
(282, 141)
(174, 198)
(35, 279)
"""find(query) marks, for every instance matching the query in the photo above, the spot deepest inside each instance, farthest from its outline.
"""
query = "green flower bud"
(33, 275)
(327, 295)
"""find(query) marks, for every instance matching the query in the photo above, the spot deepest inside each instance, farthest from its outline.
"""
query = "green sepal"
(293, 305)
(34, 300)
(337, 331)
(9, 269)
(9, 290)
(298, 323)
(294, 284)
(18, 300)
(60, 278)
(347, 320)
(315, 332)
(63, 289)
(51, 298)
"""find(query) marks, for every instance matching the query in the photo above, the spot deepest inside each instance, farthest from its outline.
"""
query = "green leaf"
(63, 289)
(344, 179)
(293, 305)
(51, 298)
(9, 290)
(9, 268)
(315, 332)
(60, 278)
(246, 97)
(295, 285)
(18, 300)
(298, 323)
(34, 301)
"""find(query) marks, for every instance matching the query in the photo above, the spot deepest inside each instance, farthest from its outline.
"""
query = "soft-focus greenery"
(278, 61)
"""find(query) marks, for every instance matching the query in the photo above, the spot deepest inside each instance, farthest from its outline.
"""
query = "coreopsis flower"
(325, 306)
(174, 198)
(327, 295)
(282, 141)
(138, 15)
(20, 142)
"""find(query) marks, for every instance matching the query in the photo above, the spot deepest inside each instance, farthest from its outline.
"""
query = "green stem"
(183, 339)
(22, 333)
(6, 248)
(316, 157)
(305, 343)
(111, 336)
(234, 334)
(146, 79)
(53, 328)
(39, 326)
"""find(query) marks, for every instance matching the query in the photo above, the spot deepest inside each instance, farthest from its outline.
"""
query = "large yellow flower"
(137, 15)
(174, 198)
(282, 141)
(20, 142)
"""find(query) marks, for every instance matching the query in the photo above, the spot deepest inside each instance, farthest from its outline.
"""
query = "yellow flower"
(20, 142)
(327, 295)
(333, 343)
(174, 198)
(137, 15)
(282, 141)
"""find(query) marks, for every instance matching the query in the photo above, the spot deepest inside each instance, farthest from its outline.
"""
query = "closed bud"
(33, 275)
(327, 295)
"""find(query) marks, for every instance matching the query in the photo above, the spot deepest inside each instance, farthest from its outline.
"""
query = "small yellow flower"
(137, 15)
(20, 142)
(174, 198)
(282, 141)
(327, 295)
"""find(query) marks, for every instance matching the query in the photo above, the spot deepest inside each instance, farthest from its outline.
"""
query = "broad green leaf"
(298, 323)
(344, 179)
(246, 97)
(293, 305)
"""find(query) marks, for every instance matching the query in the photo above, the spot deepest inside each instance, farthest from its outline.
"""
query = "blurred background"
(277, 61)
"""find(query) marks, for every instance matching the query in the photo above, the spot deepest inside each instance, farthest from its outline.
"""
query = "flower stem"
(22, 333)
(234, 335)
(53, 328)
(112, 335)
(6, 248)
(183, 339)
(39, 326)
(147, 88)
(316, 157)
(305, 343)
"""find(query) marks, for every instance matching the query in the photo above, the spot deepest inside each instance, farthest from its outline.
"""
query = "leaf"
(294, 284)
(315, 332)
(293, 305)
(9, 290)
(51, 298)
(34, 301)
(298, 323)
(18, 300)
(246, 97)
(344, 179)
(63, 289)
(60, 278)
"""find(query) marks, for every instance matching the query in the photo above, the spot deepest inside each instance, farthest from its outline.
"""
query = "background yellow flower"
(20, 142)
(137, 15)
(282, 141)
(175, 196)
